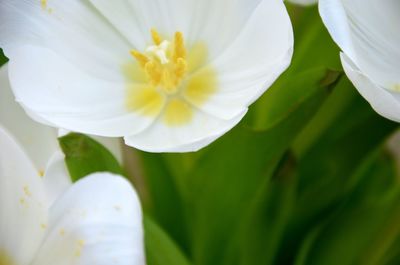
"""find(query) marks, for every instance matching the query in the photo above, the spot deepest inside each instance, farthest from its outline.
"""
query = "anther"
(181, 68)
(153, 72)
(180, 50)
(156, 37)
(141, 58)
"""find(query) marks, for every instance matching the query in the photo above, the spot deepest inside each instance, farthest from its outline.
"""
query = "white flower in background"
(47, 220)
(169, 75)
(303, 2)
(368, 32)
(95, 221)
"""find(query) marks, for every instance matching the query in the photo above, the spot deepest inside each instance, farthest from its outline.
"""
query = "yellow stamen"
(168, 82)
(180, 50)
(181, 68)
(153, 73)
(160, 82)
(156, 37)
(141, 58)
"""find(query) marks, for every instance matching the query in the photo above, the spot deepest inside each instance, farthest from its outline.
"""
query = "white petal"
(56, 178)
(201, 131)
(215, 22)
(251, 64)
(73, 29)
(23, 205)
(384, 102)
(69, 98)
(368, 32)
(98, 221)
(39, 141)
(304, 2)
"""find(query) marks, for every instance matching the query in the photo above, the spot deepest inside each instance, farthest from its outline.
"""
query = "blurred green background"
(306, 178)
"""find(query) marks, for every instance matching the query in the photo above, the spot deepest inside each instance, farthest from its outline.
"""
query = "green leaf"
(363, 228)
(358, 234)
(230, 173)
(84, 156)
(3, 58)
(340, 138)
(160, 249)
(264, 226)
(287, 94)
(165, 203)
(351, 136)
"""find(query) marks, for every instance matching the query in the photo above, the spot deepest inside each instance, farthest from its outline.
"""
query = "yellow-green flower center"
(168, 77)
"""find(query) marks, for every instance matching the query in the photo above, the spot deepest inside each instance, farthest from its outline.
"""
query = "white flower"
(169, 75)
(368, 32)
(45, 220)
(303, 2)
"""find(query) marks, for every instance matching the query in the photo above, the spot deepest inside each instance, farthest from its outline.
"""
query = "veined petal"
(201, 130)
(39, 141)
(249, 66)
(98, 221)
(384, 102)
(368, 33)
(72, 29)
(23, 204)
(69, 98)
(215, 22)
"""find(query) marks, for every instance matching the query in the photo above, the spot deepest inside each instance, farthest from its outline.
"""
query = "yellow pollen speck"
(81, 244)
(41, 173)
(27, 191)
(177, 112)
(169, 77)
(396, 87)
(43, 226)
(43, 3)
(62, 232)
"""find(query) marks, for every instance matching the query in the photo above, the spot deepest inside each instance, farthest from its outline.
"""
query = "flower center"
(164, 62)
(5, 259)
(169, 79)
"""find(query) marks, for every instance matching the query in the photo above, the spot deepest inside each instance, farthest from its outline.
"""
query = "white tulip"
(368, 32)
(168, 76)
(47, 220)
(304, 2)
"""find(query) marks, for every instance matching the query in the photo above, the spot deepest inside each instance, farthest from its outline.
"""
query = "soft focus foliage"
(304, 179)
